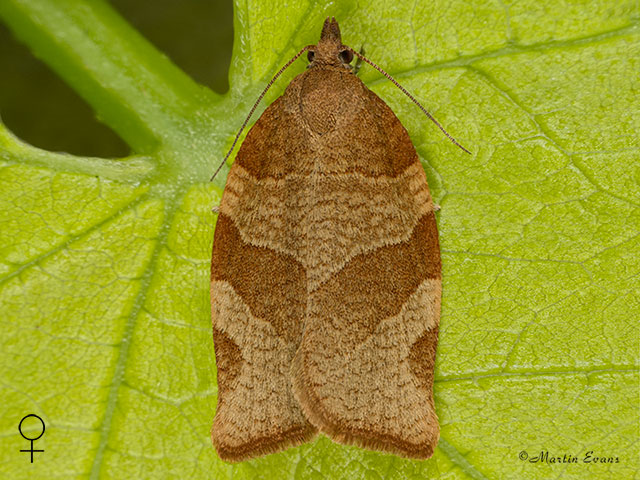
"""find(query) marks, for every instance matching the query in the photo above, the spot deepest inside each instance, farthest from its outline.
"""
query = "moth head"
(330, 50)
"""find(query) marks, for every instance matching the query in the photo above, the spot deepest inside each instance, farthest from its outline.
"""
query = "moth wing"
(363, 373)
(258, 299)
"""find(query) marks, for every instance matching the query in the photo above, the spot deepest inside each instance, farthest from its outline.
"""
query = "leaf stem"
(131, 169)
(132, 87)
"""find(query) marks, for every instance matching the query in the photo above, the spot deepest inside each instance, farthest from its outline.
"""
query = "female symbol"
(31, 439)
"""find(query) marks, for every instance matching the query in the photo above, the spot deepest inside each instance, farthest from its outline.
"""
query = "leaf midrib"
(125, 343)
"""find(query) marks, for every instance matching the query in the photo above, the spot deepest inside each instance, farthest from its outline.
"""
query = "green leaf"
(104, 264)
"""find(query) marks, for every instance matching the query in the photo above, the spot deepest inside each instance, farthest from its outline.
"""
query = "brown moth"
(326, 274)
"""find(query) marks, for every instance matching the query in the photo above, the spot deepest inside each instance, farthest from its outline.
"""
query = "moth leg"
(358, 64)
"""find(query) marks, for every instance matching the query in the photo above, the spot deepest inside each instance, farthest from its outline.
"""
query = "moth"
(326, 273)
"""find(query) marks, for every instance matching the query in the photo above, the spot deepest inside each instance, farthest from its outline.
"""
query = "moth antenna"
(255, 105)
(411, 97)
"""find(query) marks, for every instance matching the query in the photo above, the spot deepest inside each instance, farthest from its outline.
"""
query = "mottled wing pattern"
(364, 370)
(258, 300)
(326, 278)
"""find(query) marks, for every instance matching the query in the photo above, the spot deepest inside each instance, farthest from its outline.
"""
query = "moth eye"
(310, 55)
(346, 56)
